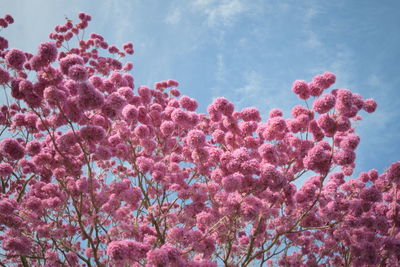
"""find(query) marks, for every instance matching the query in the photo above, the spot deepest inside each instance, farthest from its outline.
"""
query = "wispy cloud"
(263, 92)
(223, 12)
(174, 17)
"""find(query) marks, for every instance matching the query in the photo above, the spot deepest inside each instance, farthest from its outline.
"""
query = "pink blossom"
(318, 159)
(19, 244)
(301, 89)
(315, 89)
(3, 43)
(250, 114)
(15, 58)
(12, 148)
(232, 182)
(69, 61)
(142, 131)
(324, 103)
(167, 127)
(9, 18)
(275, 113)
(47, 52)
(324, 80)
(7, 206)
(145, 164)
(371, 194)
(268, 152)
(188, 103)
(196, 138)
(344, 157)
(165, 256)
(351, 142)
(344, 101)
(88, 97)
(393, 173)
(369, 105)
(130, 113)
(223, 105)
(4, 76)
(327, 124)
(77, 73)
(172, 83)
(343, 124)
(93, 133)
(126, 251)
(5, 169)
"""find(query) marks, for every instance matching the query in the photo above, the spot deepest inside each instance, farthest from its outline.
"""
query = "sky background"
(249, 51)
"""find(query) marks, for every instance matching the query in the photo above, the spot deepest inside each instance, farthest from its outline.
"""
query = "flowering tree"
(96, 173)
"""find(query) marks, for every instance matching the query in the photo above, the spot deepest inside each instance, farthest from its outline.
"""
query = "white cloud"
(220, 12)
(262, 92)
(312, 40)
(174, 17)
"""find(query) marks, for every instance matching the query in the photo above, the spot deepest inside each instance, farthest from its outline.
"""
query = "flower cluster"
(96, 172)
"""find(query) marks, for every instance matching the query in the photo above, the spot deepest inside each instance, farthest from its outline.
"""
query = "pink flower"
(78, 73)
(343, 124)
(222, 105)
(12, 149)
(250, 114)
(330, 79)
(324, 80)
(172, 83)
(371, 194)
(144, 164)
(54, 95)
(69, 61)
(130, 113)
(344, 101)
(301, 89)
(369, 105)
(300, 110)
(268, 153)
(275, 113)
(93, 133)
(5, 169)
(188, 103)
(141, 131)
(167, 255)
(15, 58)
(344, 157)
(9, 19)
(324, 103)
(3, 43)
(88, 97)
(318, 159)
(180, 117)
(350, 142)
(68, 139)
(393, 173)
(19, 245)
(96, 81)
(315, 89)
(232, 182)
(167, 127)
(327, 124)
(126, 251)
(196, 138)
(47, 52)
(4, 76)
(7, 206)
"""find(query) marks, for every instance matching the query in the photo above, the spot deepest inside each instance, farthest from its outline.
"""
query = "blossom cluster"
(97, 172)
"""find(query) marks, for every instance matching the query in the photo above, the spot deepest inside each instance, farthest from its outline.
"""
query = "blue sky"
(249, 51)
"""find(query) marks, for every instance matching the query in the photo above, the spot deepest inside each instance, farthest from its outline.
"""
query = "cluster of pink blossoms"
(95, 172)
